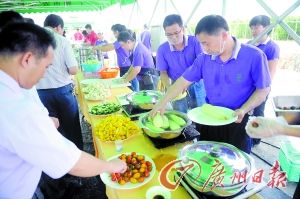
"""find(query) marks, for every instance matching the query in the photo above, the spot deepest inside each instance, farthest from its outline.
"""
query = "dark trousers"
(233, 133)
(259, 111)
(148, 79)
(62, 104)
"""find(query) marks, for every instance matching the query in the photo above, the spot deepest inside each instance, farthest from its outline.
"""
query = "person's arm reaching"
(260, 127)
(177, 88)
(88, 166)
(132, 73)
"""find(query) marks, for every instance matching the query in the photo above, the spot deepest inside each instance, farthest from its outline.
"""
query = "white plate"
(196, 115)
(111, 83)
(106, 179)
(86, 82)
(94, 99)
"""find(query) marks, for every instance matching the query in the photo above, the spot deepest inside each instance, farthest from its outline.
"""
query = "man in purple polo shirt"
(235, 75)
(123, 55)
(146, 37)
(174, 57)
(142, 62)
(257, 25)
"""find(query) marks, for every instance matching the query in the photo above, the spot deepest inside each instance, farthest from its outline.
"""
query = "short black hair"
(24, 37)
(84, 32)
(29, 20)
(118, 28)
(171, 20)
(88, 26)
(260, 20)
(9, 17)
(211, 25)
(127, 35)
(53, 21)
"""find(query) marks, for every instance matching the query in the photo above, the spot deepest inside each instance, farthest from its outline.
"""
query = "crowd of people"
(36, 64)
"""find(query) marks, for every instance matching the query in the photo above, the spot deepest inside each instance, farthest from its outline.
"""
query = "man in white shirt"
(55, 88)
(29, 141)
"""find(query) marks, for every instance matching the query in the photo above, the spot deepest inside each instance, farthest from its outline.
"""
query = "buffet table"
(139, 143)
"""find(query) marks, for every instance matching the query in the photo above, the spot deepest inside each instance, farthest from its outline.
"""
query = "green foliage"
(241, 30)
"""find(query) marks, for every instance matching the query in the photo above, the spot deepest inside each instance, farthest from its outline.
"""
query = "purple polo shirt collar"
(185, 41)
(263, 43)
(235, 51)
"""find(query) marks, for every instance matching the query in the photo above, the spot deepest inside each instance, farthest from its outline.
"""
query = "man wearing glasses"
(174, 57)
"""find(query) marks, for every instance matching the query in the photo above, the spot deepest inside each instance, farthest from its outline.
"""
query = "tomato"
(140, 157)
(144, 165)
(113, 177)
(126, 179)
(141, 179)
(137, 175)
(137, 166)
(142, 161)
(150, 168)
(133, 180)
(142, 170)
(148, 163)
(122, 182)
(128, 159)
(147, 173)
(133, 154)
(134, 161)
(134, 171)
(123, 156)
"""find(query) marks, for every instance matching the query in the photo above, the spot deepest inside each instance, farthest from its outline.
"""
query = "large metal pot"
(217, 167)
(145, 99)
(166, 134)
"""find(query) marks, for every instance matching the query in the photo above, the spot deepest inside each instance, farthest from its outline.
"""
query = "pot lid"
(144, 97)
(215, 158)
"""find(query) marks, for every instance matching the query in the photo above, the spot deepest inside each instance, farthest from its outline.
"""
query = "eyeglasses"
(173, 34)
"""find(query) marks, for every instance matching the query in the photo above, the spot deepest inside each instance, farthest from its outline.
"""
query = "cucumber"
(173, 125)
(153, 128)
(178, 120)
(158, 120)
(213, 112)
(166, 123)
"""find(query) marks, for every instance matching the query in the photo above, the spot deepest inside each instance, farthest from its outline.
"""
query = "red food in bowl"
(107, 73)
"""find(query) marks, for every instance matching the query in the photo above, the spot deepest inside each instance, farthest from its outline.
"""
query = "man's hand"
(55, 121)
(240, 113)
(158, 108)
(117, 166)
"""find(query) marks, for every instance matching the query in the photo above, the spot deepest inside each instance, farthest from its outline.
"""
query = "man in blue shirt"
(235, 75)
(174, 57)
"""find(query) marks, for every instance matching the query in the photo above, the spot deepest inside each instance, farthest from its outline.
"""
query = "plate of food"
(140, 171)
(105, 109)
(116, 127)
(212, 115)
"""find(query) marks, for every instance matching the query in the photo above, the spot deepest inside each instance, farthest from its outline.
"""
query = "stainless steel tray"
(288, 107)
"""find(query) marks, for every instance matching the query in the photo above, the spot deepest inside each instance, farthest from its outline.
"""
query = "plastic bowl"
(91, 67)
(107, 73)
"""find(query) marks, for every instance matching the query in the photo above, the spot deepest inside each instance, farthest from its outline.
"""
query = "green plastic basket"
(289, 163)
